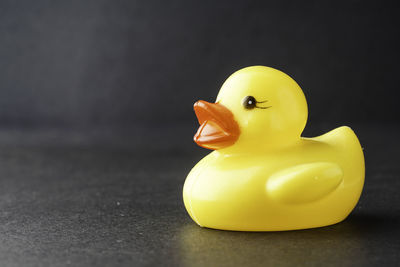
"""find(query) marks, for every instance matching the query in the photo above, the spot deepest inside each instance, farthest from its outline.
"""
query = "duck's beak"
(218, 128)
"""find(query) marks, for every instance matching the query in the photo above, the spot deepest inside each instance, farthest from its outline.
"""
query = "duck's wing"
(304, 183)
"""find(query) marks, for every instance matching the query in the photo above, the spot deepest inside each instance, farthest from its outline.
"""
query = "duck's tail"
(343, 137)
(346, 142)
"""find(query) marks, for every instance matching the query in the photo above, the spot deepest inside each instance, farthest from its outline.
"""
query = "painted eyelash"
(264, 107)
(262, 102)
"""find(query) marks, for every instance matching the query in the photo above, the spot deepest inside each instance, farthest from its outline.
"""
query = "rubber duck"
(262, 175)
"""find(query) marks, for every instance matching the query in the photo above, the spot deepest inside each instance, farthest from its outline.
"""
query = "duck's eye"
(249, 102)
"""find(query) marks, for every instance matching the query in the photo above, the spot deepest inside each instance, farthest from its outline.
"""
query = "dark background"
(120, 63)
(96, 126)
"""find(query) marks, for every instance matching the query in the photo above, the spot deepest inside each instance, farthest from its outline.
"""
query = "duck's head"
(257, 107)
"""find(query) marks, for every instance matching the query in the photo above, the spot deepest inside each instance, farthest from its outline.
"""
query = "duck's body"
(232, 191)
(282, 182)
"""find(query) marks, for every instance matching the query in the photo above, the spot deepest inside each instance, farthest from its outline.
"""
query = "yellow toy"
(262, 175)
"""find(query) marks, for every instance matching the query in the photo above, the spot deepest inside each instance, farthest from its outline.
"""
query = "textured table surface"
(90, 199)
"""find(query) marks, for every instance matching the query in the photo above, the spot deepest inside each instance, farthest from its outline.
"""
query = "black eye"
(249, 102)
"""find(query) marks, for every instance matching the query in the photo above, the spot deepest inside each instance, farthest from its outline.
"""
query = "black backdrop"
(112, 63)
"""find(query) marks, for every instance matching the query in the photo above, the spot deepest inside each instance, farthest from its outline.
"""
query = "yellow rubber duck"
(262, 175)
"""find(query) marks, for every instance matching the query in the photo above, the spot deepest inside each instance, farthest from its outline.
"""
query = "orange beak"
(218, 128)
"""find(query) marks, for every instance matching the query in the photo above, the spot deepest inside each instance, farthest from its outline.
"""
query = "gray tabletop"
(104, 199)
